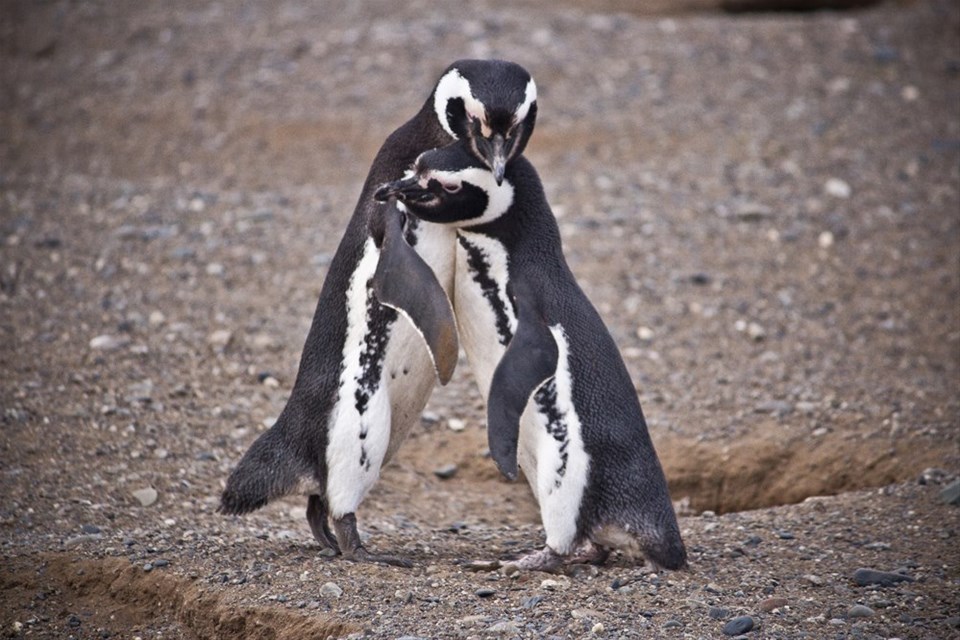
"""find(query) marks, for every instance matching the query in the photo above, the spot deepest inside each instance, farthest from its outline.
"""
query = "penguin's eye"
(451, 187)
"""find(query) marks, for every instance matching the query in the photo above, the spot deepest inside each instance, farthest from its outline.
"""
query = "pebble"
(445, 472)
(785, 535)
(220, 338)
(331, 590)
(951, 493)
(672, 624)
(837, 188)
(738, 626)
(90, 528)
(109, 343)
(146, 497)
(456, 424)
(865, 577)
(860, 611)
(531, 602)
(505, 628)
(816, 581)
(772, 604)
(582, 614)
(161, 562)
(80, 539)
(718, 613)
(484, 592)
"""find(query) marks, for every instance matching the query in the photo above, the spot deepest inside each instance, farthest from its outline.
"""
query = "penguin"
(560, 401)
(364, 374)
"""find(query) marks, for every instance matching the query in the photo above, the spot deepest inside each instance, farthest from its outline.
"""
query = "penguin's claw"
(353, 550)
(362, 555)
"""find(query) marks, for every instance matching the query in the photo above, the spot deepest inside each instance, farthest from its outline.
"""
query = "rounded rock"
(738, 626)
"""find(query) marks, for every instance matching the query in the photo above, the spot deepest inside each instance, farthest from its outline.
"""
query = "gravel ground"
(763, 207)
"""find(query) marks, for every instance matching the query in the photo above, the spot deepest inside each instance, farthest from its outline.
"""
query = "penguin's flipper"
(405, 282)
(529, 362)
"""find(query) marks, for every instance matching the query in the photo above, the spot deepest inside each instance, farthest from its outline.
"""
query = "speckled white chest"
(556, 468)
(360, 443)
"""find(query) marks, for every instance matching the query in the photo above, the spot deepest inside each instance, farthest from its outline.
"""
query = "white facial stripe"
(530, 97)
(453, 85)
(501, 196)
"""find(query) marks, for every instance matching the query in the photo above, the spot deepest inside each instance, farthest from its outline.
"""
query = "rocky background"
(765, 207)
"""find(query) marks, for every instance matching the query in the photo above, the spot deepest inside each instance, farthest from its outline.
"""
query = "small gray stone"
(738, 626)
(484, 592)
(672, 624)
(718, 613)
(161, 562)
(90, 528)
(951, 493)
(505, 628)
(445, 472)
(80, 539)
(331, 590)
(146, 497)
(865, 577)
(531, 602)
(860, 611)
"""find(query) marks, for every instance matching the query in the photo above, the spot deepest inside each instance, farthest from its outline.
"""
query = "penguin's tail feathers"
(269, 469)
(667, 552)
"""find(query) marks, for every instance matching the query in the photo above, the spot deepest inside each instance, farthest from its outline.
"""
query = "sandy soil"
(763, 207)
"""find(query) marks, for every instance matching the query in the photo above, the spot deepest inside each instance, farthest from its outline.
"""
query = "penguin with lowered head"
(365, 374)
(560, 401)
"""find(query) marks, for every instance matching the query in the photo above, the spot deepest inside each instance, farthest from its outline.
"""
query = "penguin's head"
(450, 186)
(490, 104)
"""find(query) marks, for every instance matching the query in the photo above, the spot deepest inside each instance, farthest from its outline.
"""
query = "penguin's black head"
(491, 104)
(450, 186)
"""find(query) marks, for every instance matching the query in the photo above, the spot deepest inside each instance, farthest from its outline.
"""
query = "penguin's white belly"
(379, 401)
(409, 371)
(551, 453)
(550, 450)
(485, 317)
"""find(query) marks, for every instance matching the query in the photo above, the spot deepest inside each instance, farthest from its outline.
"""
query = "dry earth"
(765, 208)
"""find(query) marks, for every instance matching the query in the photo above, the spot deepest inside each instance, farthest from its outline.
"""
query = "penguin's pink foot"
(549, 561)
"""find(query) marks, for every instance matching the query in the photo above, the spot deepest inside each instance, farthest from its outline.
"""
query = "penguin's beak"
(498, 158)
(405, 190)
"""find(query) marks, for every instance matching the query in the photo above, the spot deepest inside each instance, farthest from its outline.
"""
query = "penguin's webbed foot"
(549, 561)
(353, 550)
(317, 518)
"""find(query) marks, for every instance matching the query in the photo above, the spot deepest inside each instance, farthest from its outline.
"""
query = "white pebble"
(910, 93)
(146, 497)
(837, 188)
(108, 342)
(825, 240)
(456, 424)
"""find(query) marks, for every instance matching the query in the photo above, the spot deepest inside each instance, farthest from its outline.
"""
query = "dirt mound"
(111, 596)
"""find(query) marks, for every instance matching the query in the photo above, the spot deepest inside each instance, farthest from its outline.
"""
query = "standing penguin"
(364, 375)
(559, 397)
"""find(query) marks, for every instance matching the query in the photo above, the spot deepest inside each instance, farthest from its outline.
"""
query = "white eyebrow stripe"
(530, 96)
(453, 85)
